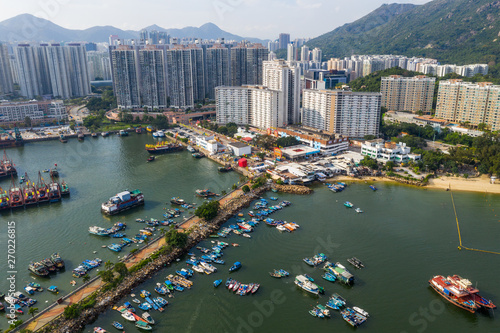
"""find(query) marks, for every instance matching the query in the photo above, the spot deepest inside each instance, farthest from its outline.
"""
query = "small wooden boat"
(117, 325)
(151, 158)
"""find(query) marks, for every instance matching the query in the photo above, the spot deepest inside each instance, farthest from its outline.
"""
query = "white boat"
(360, 311)
(191, 149)
(246, 235)
(304, 283)
(128, 316)
(280, 228)
(358, 210)
(198, 269)
(147, 317)
(208, 267)
(159, 134)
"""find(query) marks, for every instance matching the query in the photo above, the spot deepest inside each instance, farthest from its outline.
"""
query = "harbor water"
(404, 237)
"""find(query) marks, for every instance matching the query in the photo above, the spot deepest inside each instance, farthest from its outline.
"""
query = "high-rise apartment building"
(412, 94)
(186, 75)
(60, 71)
(126, 77)
(153, 83)
(474, 103)
(253, 105)
(6, 82)
(99, 65)
(284, 76)
(217, 63)
(346, 113)
(246, 64)
(304, 53)
(284, 40)
(317, 55)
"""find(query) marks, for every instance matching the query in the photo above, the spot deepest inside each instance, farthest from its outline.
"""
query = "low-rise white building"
(385, 152)
(207, 143)
(327, 144)
(239, 149)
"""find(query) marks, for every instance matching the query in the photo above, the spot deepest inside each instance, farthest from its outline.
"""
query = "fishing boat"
(352, 317)
(190, 149)
(163, 148)
(460, 292)
(147, 317)
(99, 231)
(329, 277)
(304, 283)
(63, 139)
(64, 188)
(4, 199)
(16, 198)
(122, 201)
(57, 260)
(48, 264)
(198, 155)
(104, 134)
(360, 311)
(42, 190)
(205, 193)
(38, 269)
(138, 130)
(355, 262)
(127, 315)
(342, 274)
(323, 310)
(53, 289)
(29, 192)
(117, 325)
(143, 325)
(373, 187)
(358, 210)
(93, 134)
(145, 306)
(348, 204)
(151, 158)
(217, 283)
(7, 167)
(135, 300)
(99, 330)
(123, 133)
(177, 201)
(54, 191)
(225, 168)
(80, 136)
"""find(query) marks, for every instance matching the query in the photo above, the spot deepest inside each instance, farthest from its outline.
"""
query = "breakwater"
(198, 232)
(293, 189)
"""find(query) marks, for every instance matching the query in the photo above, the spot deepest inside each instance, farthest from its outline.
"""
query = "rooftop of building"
(238, 144)
(298, 151)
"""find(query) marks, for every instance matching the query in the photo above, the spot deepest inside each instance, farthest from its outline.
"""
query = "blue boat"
(115, 247)
(151, 302)
(329, 277)
(178, 288)
(117, 325)
(228, 281)
(183, 274)
(118, 235)
(235, 267)
(160, 301)
(129, 306)
(219, 261)
(53, 289)
(373, 187)
(348, 204)
(145, 306)
(217, 283)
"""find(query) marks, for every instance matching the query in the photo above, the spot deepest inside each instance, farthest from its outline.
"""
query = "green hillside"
(452, 31)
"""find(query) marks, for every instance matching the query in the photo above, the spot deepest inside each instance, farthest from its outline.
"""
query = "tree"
(121, 269)
(108, 264)
(86, 278)
(208, 210)
(245, 189)
(389, 165)
(287, 141)
(176, 238)
(32, 311)
(369, 162)
(106, 276)
(261, 155)
(27, 121)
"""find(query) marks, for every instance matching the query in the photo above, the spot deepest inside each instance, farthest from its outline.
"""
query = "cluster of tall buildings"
(6, 77)
(362, 65)
(276, 103)
(472, 103)
(55, 70)
(147, 75)
(35, 110)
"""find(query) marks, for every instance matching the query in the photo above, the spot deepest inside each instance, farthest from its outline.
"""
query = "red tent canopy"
(242, 162)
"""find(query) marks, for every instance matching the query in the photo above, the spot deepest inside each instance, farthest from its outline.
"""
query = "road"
(77, 113)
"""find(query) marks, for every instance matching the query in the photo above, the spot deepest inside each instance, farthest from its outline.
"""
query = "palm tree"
(108, 264)
(86, 278)
(32, 311)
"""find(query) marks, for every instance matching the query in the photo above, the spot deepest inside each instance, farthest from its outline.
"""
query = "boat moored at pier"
(122, 201)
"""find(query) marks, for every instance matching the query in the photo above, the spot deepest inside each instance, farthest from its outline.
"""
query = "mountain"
(26, 27)
(452, 31)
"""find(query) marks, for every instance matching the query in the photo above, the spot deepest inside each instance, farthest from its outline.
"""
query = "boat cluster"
(348, 204)
(241, 288)
(339, 272)
(355, 316)
(338, 187)
(18, 301)
(86, 266)
(316, 260)
(279, 273)
(47, 265)
(111, 232)
(356, 262)
(213, 255)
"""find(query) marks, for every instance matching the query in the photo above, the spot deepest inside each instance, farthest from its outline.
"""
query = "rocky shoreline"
(107, 299)
(293, 189)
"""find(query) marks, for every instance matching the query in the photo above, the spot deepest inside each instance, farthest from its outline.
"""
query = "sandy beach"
(481, 184)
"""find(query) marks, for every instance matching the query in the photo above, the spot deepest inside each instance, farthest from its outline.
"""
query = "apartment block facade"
(412, 94)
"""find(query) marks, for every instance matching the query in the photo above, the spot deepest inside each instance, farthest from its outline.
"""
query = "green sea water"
(405, 236)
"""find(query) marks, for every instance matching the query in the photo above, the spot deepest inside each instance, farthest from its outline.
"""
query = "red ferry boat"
(460, 292)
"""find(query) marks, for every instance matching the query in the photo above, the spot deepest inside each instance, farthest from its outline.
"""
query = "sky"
(248, 18)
